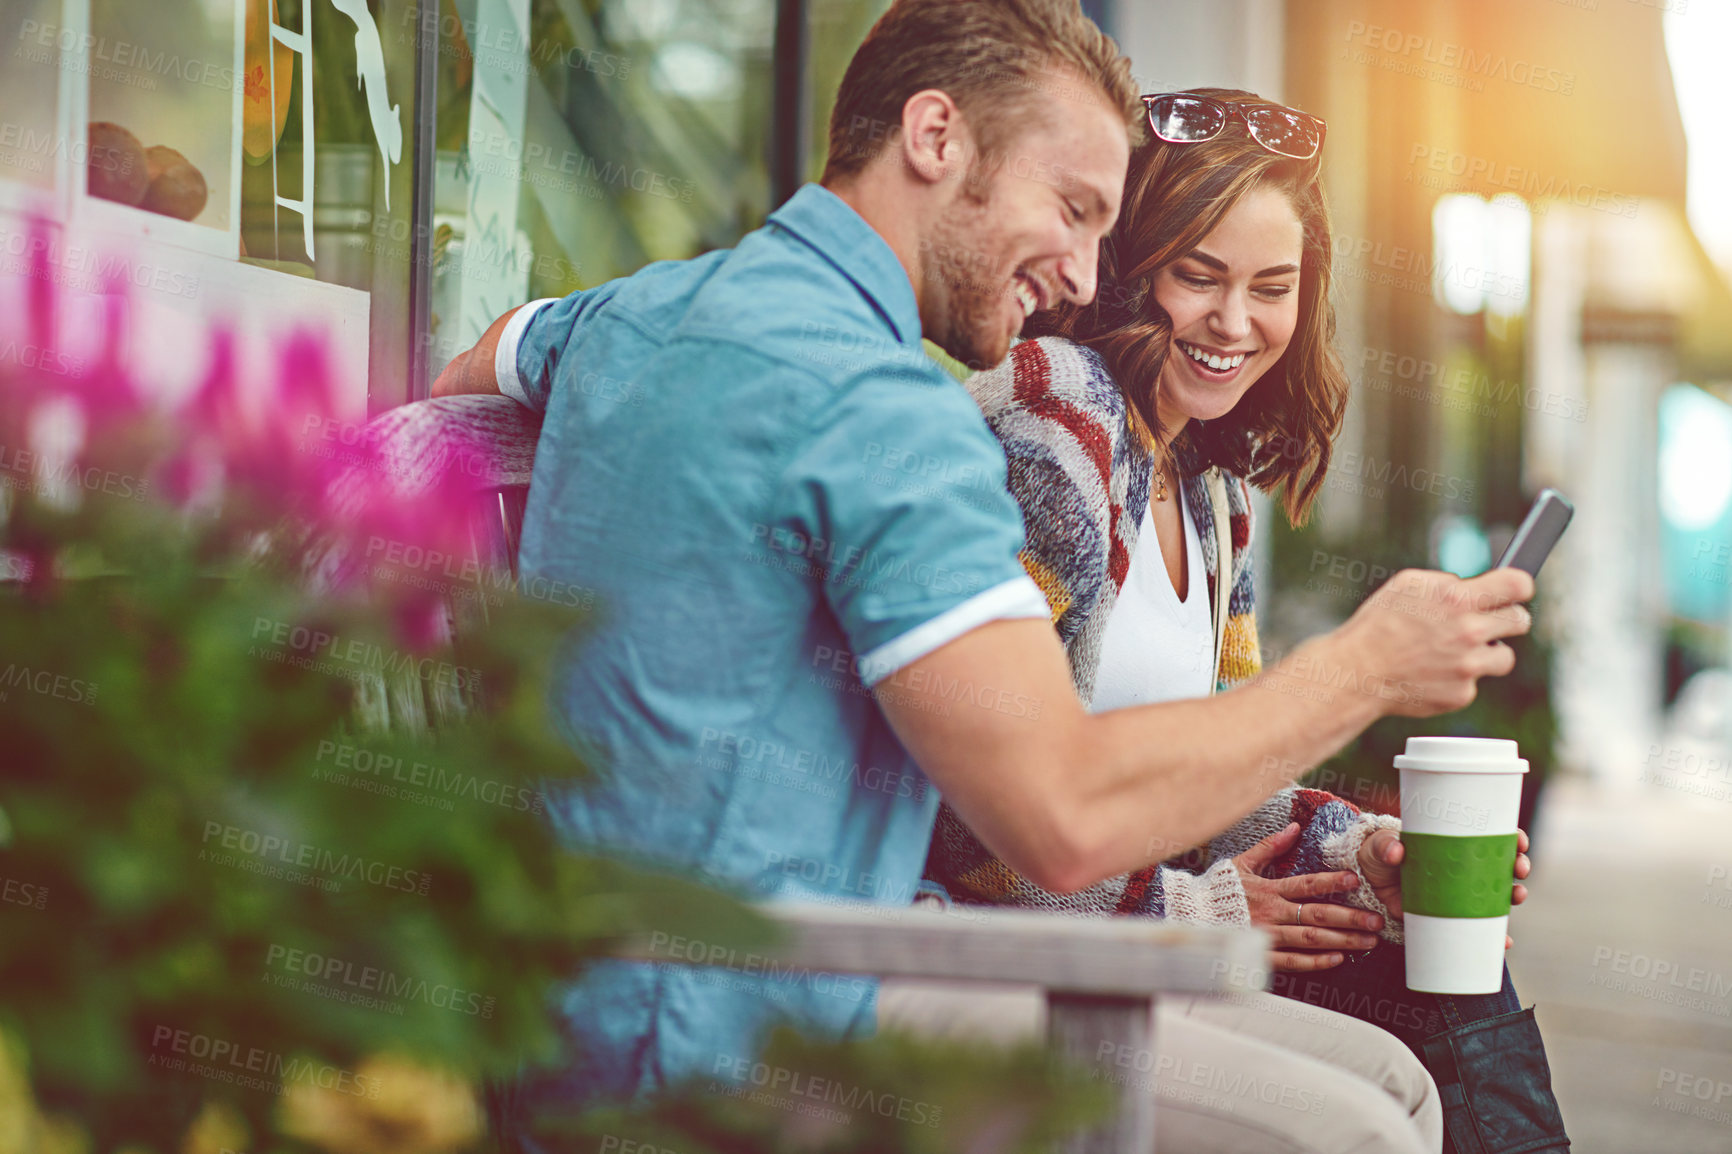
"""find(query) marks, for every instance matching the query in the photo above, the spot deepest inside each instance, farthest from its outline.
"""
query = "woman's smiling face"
(1234, 303)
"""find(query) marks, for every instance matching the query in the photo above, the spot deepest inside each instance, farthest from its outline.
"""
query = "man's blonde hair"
(995, 58)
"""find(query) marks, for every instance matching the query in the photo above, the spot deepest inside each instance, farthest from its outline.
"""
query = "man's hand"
(1304, 925)
(1424, 639)
(1381, 855)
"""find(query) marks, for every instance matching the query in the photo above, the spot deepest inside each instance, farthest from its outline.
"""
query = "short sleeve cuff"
(1018, 597)
(505, 357)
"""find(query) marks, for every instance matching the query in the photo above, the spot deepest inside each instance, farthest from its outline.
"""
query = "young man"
(815, 612)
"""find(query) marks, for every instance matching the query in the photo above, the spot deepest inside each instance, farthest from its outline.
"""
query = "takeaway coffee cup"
(1459, 800)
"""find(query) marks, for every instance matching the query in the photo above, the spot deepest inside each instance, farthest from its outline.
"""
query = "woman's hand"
(1381, 855)
(1310, 933)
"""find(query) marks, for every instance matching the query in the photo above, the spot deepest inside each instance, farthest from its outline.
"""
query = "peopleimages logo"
(1485, 172)
(49, 144)
(122, 60)
(711, 954)
(1173, 1077)
(800, 1092)
(1415, 270)
(1450, 812)
(82, 267)
(505, 156)
(24, 469)
(805, 770)
(1661, 979)
(392, 776)
(1350, 467)
(917, 688)
(1459, 59)
(851, 564)
(46, 683)
(837, 880)
(508, 48)
(343, 980)
(310, 648)
(300, 855)
(24, 894)
(250, 1067)
(1438, 384)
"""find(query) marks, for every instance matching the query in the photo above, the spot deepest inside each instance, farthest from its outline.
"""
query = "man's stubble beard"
(965, 282)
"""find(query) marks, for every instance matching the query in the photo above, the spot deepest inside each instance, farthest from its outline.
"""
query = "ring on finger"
(1299, 915)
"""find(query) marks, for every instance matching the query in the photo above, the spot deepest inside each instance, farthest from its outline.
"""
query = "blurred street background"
(1533, 216)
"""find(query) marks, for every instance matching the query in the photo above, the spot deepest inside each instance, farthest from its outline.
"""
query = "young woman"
(1133, 429)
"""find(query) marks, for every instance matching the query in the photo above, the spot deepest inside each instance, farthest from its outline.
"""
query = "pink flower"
(421, 623)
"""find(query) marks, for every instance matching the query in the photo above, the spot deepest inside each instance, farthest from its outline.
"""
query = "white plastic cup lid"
(1462, 755)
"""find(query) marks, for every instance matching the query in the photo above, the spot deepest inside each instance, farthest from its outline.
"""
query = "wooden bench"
(1101, 976)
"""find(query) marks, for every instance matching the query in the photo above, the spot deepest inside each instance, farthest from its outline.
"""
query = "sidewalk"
(1625, 946)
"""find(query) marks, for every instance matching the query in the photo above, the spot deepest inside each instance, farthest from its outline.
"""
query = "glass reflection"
(32, 143)
(162, 81)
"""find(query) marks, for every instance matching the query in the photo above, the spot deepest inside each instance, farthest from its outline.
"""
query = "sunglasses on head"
(1180, 118)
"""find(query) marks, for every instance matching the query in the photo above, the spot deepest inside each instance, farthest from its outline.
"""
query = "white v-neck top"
(1157, 648)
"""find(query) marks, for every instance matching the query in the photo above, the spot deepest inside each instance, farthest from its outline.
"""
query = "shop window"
(160, 113)
(581, 139)
(837, 28)
(326, 184)
(273, 131)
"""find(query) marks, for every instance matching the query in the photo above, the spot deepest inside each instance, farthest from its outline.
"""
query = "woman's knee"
(1327, 1084)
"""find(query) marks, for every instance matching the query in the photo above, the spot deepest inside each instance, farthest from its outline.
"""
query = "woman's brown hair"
(1280, 434)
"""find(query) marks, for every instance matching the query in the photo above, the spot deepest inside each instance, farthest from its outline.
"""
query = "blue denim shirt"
(779, 500)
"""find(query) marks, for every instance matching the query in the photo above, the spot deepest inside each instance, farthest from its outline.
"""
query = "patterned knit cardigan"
(1082, 479)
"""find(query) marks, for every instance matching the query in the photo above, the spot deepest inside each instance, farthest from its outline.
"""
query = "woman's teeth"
(1219, 364)
(1027, 298)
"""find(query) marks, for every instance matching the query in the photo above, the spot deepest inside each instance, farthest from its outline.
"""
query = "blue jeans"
(1483, 1050)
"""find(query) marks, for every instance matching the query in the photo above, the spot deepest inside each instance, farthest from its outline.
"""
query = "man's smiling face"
(1023, 230)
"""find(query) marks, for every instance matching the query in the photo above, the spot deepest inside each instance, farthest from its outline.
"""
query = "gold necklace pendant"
(1149, 443)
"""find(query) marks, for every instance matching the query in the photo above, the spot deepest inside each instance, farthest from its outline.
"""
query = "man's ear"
(936, 140)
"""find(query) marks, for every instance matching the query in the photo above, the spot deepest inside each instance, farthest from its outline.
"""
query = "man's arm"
(1068, 798)
(472, 371)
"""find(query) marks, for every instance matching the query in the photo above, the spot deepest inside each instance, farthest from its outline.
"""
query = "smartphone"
(1546, 521)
